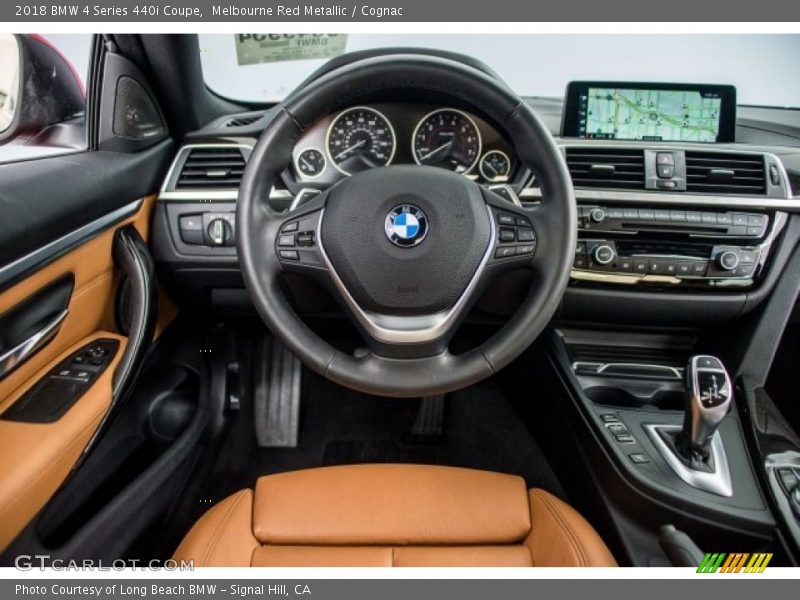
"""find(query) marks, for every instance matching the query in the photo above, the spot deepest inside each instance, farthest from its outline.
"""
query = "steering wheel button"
(525, 235)
(286, 240)
(506, 219)
(505, 252)
(289, 255)
(507, 235)
(527, 249)
(523, 222)
(290, 227)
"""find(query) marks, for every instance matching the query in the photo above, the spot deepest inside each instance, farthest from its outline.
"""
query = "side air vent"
(242, 121)
(606, 167)
(725, 173)
(211, 167)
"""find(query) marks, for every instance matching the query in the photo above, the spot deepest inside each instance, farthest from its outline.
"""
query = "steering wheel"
(406, 249)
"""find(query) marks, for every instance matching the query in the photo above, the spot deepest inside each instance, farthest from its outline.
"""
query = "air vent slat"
(606, 167)
(211, 167)
(725, 173)
(242, 121)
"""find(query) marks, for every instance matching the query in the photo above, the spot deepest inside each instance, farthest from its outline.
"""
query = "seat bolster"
(223, 537)
(560, 537)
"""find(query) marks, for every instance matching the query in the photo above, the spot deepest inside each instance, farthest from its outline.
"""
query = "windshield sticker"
(257, 48)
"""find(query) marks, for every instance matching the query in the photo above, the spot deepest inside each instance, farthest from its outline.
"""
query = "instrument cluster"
(365, 137)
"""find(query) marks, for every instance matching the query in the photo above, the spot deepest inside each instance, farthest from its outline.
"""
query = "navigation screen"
(658, 112)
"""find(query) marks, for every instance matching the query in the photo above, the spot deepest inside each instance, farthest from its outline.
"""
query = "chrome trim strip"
(661, 198)
(408, 330)
(41, 256)
(656, 371)
(718, 482)
(13, 357)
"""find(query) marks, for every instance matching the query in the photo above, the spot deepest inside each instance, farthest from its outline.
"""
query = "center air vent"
(212, 167)
(606, 167)
(725, 173)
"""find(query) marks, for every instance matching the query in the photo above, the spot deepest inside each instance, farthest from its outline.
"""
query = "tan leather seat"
(393, 515)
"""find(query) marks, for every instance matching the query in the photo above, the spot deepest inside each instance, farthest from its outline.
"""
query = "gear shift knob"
(708, 398)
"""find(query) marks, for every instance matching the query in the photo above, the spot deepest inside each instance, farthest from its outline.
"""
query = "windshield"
(264, 68)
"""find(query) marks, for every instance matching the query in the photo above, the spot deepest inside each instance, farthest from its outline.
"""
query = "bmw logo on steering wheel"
(406, 225)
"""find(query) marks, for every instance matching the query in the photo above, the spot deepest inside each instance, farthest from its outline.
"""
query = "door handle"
(10, 359)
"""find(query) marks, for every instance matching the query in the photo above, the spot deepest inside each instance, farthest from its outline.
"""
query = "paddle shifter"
(708, 397)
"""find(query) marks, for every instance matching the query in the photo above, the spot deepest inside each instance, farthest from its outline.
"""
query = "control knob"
(597, 215)
(727, 260)
(220, 232)
(603, 254)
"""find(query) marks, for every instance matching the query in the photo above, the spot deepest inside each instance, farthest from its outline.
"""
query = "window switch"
(625, 438)
(638, 458)
(617, 428)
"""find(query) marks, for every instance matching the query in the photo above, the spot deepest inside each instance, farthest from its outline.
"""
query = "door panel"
(37, 457)
(91, 307)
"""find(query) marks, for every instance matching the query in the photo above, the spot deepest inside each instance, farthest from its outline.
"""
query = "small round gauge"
(495, 166)
(447, 138)
(360, 138)
(310, 163)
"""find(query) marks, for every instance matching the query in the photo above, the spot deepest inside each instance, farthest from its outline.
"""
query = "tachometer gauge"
(495, 166)
(447, 138)
(360, 138)
(310, 163)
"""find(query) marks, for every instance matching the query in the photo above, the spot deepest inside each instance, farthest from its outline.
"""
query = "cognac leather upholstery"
(393, 515)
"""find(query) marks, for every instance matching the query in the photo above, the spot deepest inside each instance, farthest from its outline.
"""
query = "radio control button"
(597, 215)
(743, 271)
(603, 254)
(615, 213)
(580, 261)
(630, 213)
(662, 215)
(658, 266)
(727, 260)
(699, 268)
(684, 268)
(709, 218)
(625, 265)
(678, 216)
(647, 214)
(754, 231)
(748, 256)
(757, 220)
(740, 219)
(641, 265)
(693, 217)
(725, 219)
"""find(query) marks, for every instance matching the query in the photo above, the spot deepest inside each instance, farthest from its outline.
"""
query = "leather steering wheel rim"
(554, 219)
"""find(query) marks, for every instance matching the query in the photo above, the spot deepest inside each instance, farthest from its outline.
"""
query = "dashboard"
(697, 224)
(377, 135)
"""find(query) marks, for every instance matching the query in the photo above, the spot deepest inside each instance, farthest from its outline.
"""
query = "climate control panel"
(621, 244)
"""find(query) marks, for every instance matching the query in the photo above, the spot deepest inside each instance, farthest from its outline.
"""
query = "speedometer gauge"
(360, 138)
(447, 138)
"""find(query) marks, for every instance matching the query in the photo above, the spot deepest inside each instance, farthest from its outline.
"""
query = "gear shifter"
(708, 398)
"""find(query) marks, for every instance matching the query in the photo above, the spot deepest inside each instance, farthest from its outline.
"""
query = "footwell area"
(339, 426)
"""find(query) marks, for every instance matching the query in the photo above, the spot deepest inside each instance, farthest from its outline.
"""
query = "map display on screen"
(653, 115)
